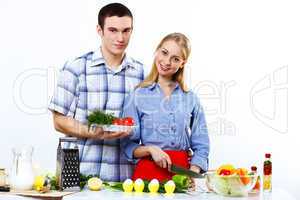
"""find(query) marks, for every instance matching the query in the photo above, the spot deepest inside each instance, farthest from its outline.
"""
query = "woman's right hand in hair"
(160, 157)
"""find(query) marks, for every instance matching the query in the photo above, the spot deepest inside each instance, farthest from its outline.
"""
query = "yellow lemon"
(127, 185)
(94, 184)
(170, 187)
(139, 185)
(153, 186)
(38, 183)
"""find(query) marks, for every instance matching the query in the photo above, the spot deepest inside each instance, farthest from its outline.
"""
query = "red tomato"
(117, 121)
(128, 121)
(224, 172)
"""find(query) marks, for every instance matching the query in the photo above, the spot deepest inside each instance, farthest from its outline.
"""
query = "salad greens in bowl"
(232, 182)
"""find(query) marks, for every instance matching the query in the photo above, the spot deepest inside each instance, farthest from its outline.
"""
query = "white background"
(243, 66)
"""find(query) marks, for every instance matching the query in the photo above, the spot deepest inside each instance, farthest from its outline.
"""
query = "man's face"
(115, 34)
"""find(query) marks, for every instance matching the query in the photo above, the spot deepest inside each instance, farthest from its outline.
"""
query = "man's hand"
(161, 158)
(74, 128)
(99, 134)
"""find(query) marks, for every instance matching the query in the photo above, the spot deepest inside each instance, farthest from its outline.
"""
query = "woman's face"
(168, 59)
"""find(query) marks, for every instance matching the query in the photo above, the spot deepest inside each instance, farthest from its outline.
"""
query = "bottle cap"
(254, 168)
(268, 155)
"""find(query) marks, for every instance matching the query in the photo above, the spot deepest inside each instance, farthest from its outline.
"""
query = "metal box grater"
(67, 166)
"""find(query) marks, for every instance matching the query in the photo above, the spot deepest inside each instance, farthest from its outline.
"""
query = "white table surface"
(4, 196)
(108, 194)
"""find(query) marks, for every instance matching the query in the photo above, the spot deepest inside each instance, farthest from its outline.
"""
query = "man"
(99, 80)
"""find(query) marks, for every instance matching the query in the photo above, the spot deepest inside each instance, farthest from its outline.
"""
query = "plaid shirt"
(86, 84)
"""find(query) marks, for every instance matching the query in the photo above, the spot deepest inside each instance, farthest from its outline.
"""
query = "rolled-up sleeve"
(130, 143)
(65, 99)
(199, 137)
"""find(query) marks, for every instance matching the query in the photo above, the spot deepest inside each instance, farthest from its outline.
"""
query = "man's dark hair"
(113, 9)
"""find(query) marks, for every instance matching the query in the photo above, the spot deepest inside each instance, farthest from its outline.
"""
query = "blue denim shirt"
(174, 123)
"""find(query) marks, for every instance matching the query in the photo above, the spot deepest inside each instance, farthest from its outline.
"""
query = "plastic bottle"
(267, 178)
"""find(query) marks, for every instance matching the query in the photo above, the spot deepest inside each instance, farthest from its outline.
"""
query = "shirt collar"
(152, 86)
(155, 84)
(98, 59)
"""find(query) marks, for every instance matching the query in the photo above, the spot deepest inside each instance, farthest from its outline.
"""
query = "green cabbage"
(229, 186)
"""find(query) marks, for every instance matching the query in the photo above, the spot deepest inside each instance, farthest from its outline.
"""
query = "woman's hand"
(192, 183)
(195, 168)
(161, 158)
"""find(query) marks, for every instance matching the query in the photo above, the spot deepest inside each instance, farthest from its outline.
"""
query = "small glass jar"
(2, 177)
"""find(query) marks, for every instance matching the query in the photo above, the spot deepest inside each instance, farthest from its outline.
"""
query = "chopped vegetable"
(99, 117)
(128, 121)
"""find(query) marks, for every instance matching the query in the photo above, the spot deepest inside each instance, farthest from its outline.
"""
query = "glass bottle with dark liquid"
(267, 178)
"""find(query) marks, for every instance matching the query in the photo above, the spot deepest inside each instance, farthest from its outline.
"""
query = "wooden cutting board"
(33, 193)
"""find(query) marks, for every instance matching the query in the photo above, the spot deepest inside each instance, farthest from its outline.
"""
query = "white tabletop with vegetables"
(225, 182)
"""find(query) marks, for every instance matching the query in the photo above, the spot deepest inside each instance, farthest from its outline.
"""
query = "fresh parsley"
(99, 117)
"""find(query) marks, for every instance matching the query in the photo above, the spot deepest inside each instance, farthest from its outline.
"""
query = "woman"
(169, 118)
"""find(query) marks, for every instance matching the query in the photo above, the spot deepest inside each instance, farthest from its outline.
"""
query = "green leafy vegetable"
(99, 117)
(116, 186)
(181, 182)
(231, 186)
(52, 181)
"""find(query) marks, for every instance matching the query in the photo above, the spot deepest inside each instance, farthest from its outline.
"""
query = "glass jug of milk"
(22, 174)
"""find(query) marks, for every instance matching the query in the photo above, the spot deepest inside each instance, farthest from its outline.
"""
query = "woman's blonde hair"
(182, 42)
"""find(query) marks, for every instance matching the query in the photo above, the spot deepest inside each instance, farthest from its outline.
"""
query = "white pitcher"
(22, 174)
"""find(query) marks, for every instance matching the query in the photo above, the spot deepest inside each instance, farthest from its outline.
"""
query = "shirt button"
(173, 128)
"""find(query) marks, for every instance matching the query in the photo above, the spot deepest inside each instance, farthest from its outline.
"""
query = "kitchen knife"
(183, 171)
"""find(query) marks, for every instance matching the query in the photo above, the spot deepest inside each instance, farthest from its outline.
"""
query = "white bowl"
(113, 128)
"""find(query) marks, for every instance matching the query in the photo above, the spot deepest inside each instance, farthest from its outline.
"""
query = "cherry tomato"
(128, 121)
(224, 172)
(117, 121)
